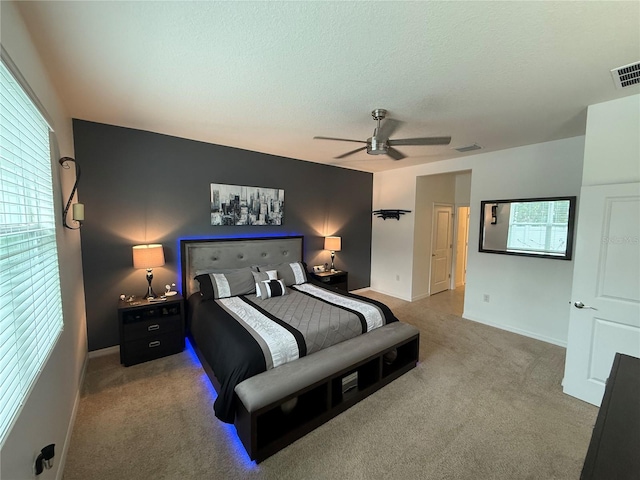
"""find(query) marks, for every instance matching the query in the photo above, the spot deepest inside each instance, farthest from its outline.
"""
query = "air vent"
(468, 148)
(627, 75)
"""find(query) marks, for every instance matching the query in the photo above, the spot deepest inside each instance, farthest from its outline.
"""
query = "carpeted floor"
(482, 404)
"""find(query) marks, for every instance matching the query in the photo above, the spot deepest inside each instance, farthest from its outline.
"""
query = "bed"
(289, 359)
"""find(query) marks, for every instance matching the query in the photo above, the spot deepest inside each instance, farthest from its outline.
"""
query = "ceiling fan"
(381, 144)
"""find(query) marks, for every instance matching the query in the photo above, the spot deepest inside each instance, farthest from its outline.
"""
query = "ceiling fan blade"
(351, 152)
(339, 139)
(395, 154)
(388, 127)
(421, 141)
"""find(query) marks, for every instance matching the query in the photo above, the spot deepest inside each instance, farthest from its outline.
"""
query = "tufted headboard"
(228, 253)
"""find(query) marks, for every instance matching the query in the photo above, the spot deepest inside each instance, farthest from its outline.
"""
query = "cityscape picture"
(240, 205)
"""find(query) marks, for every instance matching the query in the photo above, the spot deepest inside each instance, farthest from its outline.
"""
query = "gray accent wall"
(140, 187)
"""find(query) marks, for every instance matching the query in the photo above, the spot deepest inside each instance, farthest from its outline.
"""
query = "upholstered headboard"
(231, 253)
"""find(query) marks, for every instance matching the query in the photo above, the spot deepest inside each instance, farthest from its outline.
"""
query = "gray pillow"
(291, 273)
(259, 277)
(227, 283)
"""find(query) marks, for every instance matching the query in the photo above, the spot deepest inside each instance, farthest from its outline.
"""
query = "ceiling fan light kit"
(380, 143)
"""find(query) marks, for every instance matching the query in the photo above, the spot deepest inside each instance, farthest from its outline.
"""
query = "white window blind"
(30, 299)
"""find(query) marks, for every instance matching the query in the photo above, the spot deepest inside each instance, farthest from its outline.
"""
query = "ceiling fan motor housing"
(375, 147)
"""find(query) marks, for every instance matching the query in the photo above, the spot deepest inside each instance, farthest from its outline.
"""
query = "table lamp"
(333, 244)
(148, 256)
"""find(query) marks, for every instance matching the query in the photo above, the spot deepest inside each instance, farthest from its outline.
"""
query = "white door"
(606, 281)
(462, 245)
(441, 249)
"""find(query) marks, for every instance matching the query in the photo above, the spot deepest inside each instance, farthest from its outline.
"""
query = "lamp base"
(150, 293)
(333, 254)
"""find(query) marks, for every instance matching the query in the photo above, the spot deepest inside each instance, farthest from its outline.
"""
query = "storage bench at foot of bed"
(281, 405)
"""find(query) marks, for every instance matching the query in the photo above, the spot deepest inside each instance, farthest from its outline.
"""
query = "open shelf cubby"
(368, 374)
(279, 421)
(398, 358)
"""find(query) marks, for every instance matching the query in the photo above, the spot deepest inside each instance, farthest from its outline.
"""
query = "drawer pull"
(154, 344)
(151, 328)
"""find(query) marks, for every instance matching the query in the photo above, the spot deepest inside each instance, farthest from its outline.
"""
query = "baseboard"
(420, 297)
(360, 290)
(394, 295)
(104, 351)
(72, 422)
(519, 331)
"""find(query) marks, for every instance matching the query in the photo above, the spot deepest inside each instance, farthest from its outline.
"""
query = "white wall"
(430, 190)
(463, 189)
(527, 295)
(47, 414)
(612, 145)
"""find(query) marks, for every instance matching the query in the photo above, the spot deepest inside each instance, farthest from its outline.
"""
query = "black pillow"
(271, 288)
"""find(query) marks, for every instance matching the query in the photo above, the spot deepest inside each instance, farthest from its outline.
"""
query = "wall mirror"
(531, 227)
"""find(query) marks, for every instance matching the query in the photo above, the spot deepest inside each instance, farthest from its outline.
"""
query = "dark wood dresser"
(614, 451)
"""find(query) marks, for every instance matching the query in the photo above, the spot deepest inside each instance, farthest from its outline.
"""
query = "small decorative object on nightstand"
(150, 330)
(337, 279)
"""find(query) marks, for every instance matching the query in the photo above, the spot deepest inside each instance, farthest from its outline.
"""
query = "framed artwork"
(242, 205)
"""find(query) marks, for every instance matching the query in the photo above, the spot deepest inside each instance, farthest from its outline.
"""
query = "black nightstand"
(150, 330)
(338, 279)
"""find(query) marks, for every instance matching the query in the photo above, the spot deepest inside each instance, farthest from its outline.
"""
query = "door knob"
(582, 305)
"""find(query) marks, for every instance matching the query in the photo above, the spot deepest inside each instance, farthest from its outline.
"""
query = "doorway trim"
(454, 263)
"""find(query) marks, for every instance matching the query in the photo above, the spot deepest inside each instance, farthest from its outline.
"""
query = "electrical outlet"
(486, 298)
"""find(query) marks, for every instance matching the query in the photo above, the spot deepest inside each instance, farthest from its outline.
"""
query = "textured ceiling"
(268, 76)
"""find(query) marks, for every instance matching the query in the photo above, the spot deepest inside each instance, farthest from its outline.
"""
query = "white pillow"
(273, 274)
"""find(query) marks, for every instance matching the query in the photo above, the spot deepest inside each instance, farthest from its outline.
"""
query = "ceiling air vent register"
(626, 75)
(468, 148)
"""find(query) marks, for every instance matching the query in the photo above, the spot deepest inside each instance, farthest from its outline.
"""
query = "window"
(539, 227)
(30, 299)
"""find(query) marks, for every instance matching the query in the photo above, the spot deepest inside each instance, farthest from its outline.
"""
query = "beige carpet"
(482, 404)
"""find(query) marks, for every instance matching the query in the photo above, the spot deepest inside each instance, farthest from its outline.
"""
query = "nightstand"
(338, 279)
(150, 330)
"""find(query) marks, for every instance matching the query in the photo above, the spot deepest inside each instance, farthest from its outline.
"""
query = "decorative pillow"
(226, 284)
(273, 274)
(271, 288)
(259, 277)
(291, 273)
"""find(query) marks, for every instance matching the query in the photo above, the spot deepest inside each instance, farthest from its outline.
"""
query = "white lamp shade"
(332, 243)
(148, 256)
